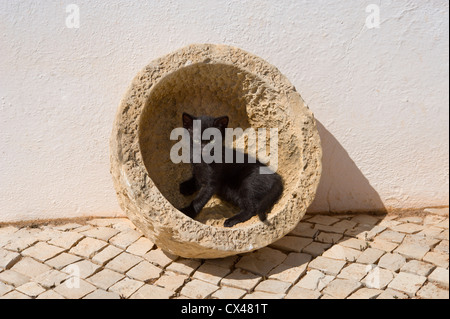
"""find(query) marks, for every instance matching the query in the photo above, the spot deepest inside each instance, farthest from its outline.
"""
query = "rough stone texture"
(228, 293)
(198, 289)
(366, 293)
(440, 276)
(431, 291)
(341, 288)
(152, 292)
(214, 80)
(392, 261)
(302, 293)
(266, 273)
(407, 283)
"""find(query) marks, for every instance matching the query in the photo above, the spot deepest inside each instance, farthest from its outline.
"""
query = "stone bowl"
(215, 80)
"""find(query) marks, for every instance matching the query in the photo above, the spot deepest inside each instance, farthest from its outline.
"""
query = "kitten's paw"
(187, 188)
(230, 222)
(189, 211)
(236, 219)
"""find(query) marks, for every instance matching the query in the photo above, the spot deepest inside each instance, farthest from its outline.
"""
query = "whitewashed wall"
(380, 94)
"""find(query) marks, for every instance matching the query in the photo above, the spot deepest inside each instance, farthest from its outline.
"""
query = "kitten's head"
(206, 122)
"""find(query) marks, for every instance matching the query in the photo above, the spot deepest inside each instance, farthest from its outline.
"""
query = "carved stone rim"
(144, 204)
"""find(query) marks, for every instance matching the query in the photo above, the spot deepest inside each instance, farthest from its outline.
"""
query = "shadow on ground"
(343, 187)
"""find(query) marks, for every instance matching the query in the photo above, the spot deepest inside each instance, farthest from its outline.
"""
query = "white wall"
(381, 95)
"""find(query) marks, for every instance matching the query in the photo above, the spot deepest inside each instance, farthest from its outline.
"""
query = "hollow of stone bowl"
(215, 80)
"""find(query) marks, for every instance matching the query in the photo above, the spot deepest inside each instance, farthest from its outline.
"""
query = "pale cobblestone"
(125, 239)
(62, 260)
(323, 220)
(392, 294)
(273, 286)
(440, 276)
(329, 238)
(365, 293)
(198, 289)
(370, 256)
(407, 283)
(102, 294)
(442, 247)
(391, 236)
(211, 273)
(42, 251)
(144, 271)
(302, 293)
(15, 295)
(413, 248)
(123, 262)
(392, 261)
(106, 255)
(102, 233)
(74, 292)
(263, 295)
(328, 257)
(126, 287)
(241, 279)
(327, 265)
(84, 268)
(50, 294)
(292, 243)
(105, 278)
(311, 280)
(418, 267)
(341, 288)
(152, 292)
(184, 266)
(408, 228)
(159, 257)
(262, 261)
(437, 258)
(171, 281)
(13, 278)
(292, 268)
(140, 247)
(226, 262)
(304, 229)
(30, 267)
(228, 293)
(342, 253)
(383, 245)
(8, 258)
(4, 288)
(365, 219)
(316, 249)
(354, 272)
(431, 291)
(87, 247)
(65, 240)
(378, 278)
(31, 289)
(51, 278)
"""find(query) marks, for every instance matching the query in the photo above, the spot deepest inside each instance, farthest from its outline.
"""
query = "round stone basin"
(214, 80)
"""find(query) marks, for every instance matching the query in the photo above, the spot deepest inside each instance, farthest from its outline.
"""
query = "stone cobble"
(357, 256)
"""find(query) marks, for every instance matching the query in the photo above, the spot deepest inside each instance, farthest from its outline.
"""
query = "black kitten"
(240, 184)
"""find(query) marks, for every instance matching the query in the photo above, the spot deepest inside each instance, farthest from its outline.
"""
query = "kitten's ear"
(188, 121)
(221, 122)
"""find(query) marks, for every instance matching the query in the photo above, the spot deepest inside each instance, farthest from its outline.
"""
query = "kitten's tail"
(266, 204)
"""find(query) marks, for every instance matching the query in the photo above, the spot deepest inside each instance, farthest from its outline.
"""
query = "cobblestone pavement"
(325, 256)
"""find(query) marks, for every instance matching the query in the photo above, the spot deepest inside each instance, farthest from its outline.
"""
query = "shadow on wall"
(343, 187)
